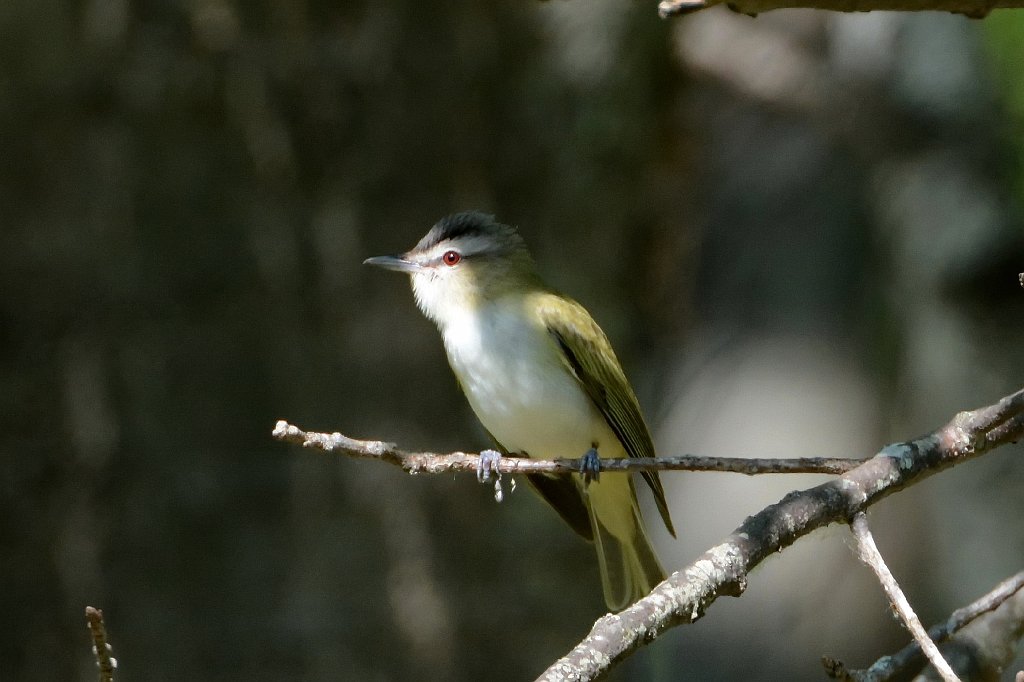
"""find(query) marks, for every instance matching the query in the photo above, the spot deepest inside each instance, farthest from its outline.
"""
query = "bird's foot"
(487, 465)
(590, 466)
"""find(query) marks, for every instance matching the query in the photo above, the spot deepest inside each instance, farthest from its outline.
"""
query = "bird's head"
(464, 261)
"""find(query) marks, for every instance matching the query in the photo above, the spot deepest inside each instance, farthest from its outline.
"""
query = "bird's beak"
(396, 263)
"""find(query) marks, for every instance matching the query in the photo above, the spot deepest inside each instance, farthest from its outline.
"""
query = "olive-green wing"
(589, 355)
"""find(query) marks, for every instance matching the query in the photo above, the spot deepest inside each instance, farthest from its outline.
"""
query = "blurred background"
(802, 233)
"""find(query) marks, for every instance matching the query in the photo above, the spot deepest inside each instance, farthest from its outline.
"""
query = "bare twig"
(870, 555)
(105, 663)
(722, 570)
(434, 463)
(905, 659)
(971, 8)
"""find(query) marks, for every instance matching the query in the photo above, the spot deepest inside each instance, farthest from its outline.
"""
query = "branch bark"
(909, 659)
(976, 9)
(870, 555)
(722, 570)
(105, 663)
(435, 463)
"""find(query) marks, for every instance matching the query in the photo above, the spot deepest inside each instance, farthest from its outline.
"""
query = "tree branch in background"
(722, 570)
(434, 463)
(909, 660)
(869, 554)
(972, 8)
(105, 663)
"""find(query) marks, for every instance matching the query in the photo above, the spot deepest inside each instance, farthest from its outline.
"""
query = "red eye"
(451, 258)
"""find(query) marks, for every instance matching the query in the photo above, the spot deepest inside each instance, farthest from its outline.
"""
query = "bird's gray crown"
(475, 225)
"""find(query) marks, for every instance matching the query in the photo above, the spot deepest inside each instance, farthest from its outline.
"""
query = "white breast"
(520, 389)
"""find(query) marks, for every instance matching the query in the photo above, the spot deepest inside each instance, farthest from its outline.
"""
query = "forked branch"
(909, 659)
(870, 555)
(722, 570)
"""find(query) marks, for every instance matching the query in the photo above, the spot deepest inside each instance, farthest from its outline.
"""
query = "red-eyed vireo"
(543, 379)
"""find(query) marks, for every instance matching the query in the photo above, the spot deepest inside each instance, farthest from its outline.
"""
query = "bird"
(544, 382)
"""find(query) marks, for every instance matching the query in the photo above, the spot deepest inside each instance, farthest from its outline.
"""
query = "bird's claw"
(487, 465)
(590, 466)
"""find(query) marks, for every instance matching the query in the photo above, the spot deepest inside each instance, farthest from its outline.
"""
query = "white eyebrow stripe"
(465, 245)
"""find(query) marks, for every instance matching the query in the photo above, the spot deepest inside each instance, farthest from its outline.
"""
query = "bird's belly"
(527, 399)
(548, 417)
(558, 424)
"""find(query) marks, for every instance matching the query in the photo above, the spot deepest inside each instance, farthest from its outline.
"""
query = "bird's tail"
(629, 567)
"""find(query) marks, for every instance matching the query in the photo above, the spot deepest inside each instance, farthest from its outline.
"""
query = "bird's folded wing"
(589, 355)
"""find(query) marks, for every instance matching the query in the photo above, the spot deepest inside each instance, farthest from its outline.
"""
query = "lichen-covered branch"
(105, 663)
(722, 570)
(435, 463)
(971, 8)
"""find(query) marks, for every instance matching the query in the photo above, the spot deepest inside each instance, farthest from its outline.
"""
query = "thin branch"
(971, 8)
(907, 658)
(722, 570)
(870, 555)
(435, 463)
(105, 663)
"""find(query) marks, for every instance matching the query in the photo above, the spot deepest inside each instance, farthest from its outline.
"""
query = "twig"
(870, 555)
(105, 663)
(434, 463)
(722, 570)
(887, 667)
(971, 8)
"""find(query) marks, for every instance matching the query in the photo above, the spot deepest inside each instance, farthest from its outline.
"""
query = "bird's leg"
(590, 465)
(487, 465)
